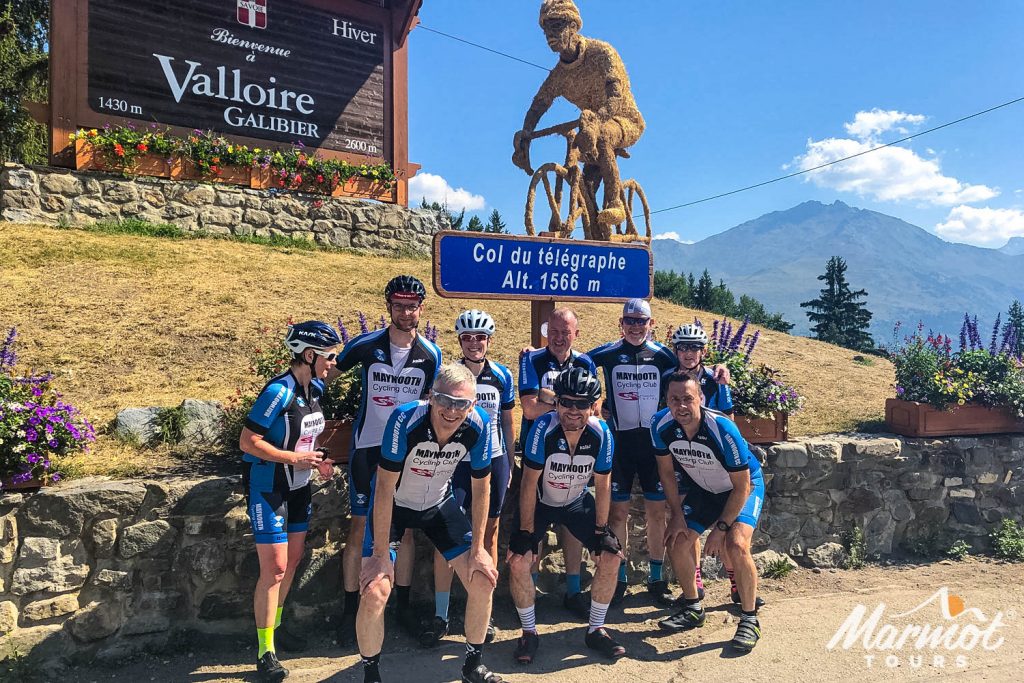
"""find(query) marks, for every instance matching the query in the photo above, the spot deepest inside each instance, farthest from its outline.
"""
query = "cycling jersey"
(565, 476)
(410, 448)
(279, 499)
(495, 393)
(716, 396)
(383, 385)
(538, 369)
(706, 460)
(289, 420)
(632, 379)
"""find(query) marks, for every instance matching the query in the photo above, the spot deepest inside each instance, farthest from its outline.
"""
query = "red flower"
(319, 178)
(298, 179)
(141, 147)
(118, 149)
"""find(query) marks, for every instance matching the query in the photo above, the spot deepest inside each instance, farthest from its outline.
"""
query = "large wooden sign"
(330, 74)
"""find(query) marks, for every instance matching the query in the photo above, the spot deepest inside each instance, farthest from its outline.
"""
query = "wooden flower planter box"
(359, 188)
(911, 418)
(88, 158)
(762, 430)
(337, 437)
(184, 169)
(33, 483)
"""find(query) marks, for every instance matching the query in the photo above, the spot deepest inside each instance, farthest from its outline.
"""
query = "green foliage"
(170, 425)
(853, 541)
(683, 289)
(863, 360)
(838, 315)
(1008, 541)
(495, 225)
(23, 75)
(454, 222)
(475, 224)
(1015, 326)
(959, 550)
(777, 569)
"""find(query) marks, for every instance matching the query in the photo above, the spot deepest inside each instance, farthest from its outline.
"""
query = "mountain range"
(910, 274)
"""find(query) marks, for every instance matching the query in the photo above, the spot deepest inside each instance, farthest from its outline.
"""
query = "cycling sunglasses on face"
(689, 347)
(328, 356)
(577, 403)
(474, 337)
(452, 402)
(630, 321)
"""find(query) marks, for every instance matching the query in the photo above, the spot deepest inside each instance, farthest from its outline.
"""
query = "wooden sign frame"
(69, 68)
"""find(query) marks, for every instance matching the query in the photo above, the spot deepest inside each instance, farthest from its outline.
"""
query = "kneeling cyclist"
(423, 442)
(723, 488)
(278, 442)
(564, 448)
(495, 394)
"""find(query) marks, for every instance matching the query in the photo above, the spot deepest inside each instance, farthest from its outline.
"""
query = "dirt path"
(803, 612)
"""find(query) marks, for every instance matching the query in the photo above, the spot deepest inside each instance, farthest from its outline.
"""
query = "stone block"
(206, 559)
(21, 199)
(42, 610)
(919, 479)
(37, 551)
(61, 511)
(216, 606)
(961, 493)
(119, 191)
(953, 481)
(828, 556)
(8, 538)
(90, 207)
(139, 624)
(113, 579)
(201, 422)
(988, 478)
(767, 557)
(229, 197)
(149, 538)
(8, 617)
(96, 621)
(21, 216)
(54, 203)
(859, 502)
(60, 184)
(966, 513)
(158, 601)
(198, 196)
(104, 535)
(19, 178)
(219, 216)
(792, 455)
(55, 577)
(137, 425)
(256, 218)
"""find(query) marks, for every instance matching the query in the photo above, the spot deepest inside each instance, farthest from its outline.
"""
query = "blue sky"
(735, 93)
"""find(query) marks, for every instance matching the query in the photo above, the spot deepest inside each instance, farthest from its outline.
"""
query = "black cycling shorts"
(579, 517)
(276, 513)
(462, 486)
(634, 457)
(445, 524)
(362, 465)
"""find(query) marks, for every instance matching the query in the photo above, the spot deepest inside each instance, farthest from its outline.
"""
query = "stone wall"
(102, 568)
(42, 194)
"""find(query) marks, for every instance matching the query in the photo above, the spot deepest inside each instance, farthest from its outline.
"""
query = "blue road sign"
(473, 265)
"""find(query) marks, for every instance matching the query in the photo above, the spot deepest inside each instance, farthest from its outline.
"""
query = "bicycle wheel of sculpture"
(556, 179)
(631, 190)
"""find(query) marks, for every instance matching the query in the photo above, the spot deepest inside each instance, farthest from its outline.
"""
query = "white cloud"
(983, 227)
(436, 189)
(892, 174)
(671, 236)
(868, 125)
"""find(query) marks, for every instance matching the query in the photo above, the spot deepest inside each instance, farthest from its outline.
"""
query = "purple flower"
(52, 443)
(364, 327)
(344, 332)
(382, 323)
(900, 391)
(31, 435)
(7, 355)
(31, 458)
(55, 476)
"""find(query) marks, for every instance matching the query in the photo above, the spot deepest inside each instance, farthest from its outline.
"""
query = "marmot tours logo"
(252, 13)
(939, 632)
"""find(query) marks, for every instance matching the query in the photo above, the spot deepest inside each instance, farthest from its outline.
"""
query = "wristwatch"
(722, 526)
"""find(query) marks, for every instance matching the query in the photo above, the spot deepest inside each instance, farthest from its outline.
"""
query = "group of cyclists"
(433, 448)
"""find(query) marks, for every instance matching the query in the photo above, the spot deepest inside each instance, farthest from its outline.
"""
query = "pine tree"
(703, 295)
(495, 225)
(839, 315)
(1015, 322)
(454, 222)
(475, 224)
(23, 75)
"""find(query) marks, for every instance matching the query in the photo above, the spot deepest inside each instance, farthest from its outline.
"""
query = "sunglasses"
(474, 337)
(404, 308)
(452, 402)
(328, 356)
(689, 347)
(577, 403)
(630, 321)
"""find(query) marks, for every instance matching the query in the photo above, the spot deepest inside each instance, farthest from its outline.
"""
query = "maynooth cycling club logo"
(941, 632)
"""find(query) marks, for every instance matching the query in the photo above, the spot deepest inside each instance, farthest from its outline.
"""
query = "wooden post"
(539, 313)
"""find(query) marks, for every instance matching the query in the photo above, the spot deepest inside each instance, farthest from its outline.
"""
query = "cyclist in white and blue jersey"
(711, 481)
(278, 443)
(495, 395)
(424, 441)
(397, 365)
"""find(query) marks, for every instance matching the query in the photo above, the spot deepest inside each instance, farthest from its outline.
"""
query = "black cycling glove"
(605, 541)
(521, 542)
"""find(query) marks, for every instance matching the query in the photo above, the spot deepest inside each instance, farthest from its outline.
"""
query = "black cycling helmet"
(577, 382)
(311, 334)
(405, 284)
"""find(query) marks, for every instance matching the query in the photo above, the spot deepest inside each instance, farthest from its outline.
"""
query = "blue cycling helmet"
(311, 334)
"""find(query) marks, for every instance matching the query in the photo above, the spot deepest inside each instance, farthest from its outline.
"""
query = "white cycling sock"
(598, 611)
(528, 618)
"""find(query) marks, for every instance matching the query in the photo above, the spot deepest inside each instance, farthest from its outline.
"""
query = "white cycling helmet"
(689, 334)
(474, 321)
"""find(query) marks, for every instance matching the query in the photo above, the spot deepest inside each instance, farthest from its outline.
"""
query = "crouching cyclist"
(723, 489)
(278, 442)
(423, 442)
(564, 448)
